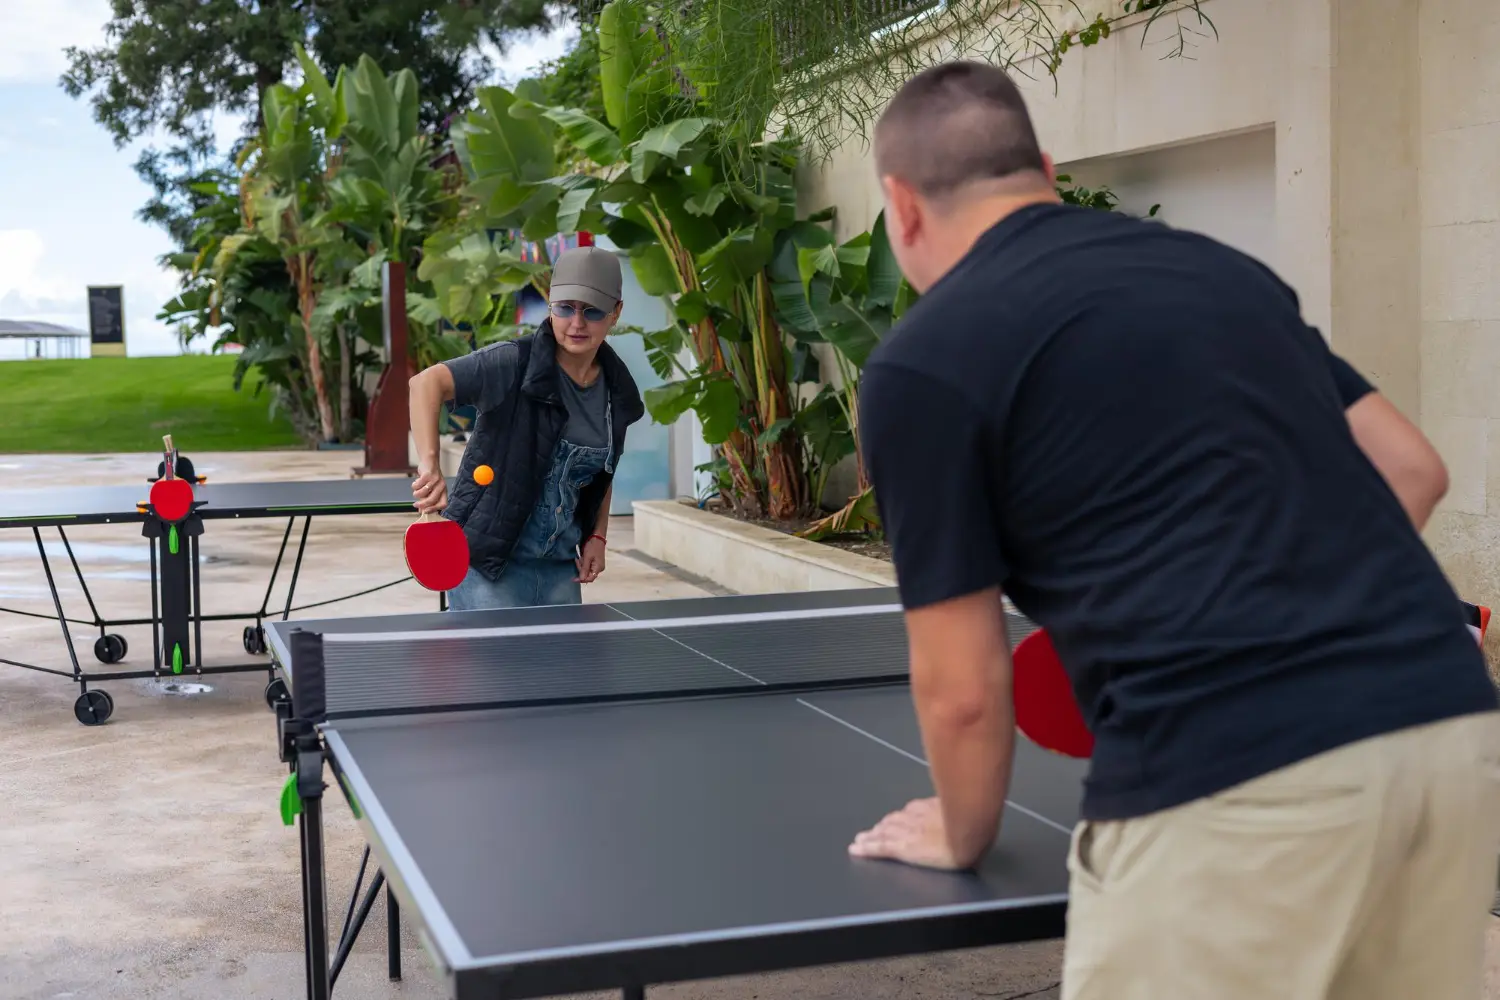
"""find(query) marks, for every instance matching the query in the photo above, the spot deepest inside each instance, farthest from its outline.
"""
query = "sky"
(68, 197)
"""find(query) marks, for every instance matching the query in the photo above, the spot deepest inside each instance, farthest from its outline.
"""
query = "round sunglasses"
(566, 310)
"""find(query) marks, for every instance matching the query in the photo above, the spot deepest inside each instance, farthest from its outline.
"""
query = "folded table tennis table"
(611, 796)
(177, 615)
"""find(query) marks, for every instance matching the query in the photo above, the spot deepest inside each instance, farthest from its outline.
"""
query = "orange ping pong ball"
(484, 475)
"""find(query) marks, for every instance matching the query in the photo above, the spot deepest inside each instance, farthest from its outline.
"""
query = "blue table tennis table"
(612, 796)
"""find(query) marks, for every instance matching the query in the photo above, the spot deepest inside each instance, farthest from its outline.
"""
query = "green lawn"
(127, 404)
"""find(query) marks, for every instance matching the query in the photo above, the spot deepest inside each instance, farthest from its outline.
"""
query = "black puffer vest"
(517, 439)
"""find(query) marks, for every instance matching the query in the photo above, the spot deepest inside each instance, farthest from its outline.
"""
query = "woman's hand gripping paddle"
(437, 553)
(1046, 711)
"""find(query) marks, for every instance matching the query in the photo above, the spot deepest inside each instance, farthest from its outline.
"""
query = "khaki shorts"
(1365, 873)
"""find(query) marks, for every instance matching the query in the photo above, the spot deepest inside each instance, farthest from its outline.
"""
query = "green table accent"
(291, 802)
(353, 799)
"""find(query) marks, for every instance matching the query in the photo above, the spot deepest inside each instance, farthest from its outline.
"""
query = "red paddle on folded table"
(437, 553)
(1046, 711)
(171, 497)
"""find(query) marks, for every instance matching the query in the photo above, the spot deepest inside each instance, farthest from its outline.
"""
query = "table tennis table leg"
(354, 922)
(392, 934)
(291, 586)
(83, 584)
(265, 602)
(197, 607)
(155, 610)
(314, 887)
(62, 620)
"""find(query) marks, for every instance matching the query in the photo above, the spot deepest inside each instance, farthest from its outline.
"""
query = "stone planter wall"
(747, 558)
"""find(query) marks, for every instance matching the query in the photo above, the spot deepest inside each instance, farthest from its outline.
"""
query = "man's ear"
(903, 211)
(1050, 169)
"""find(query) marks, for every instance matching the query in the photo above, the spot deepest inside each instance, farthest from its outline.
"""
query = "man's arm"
(961, 687)
(927, 453)
(1408, 462)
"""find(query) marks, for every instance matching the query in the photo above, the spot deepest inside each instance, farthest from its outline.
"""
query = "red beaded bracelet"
(600, 537)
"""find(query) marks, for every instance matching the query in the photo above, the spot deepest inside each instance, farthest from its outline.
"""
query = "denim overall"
(542, 568)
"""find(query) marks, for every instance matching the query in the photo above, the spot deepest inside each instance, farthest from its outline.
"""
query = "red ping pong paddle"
(171, 497)
(437, 553)
(1046, 711)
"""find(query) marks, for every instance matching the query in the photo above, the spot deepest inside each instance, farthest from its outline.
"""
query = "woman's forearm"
(426, 393)
(601, 522)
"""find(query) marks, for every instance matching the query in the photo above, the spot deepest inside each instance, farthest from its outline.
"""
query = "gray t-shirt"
(482, 378)
(586, 417)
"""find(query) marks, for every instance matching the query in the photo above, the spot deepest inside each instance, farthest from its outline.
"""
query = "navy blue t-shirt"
(1131, 430)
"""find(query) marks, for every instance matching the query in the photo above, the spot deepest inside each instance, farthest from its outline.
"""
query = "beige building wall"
(1458, 45)
(1353, 145)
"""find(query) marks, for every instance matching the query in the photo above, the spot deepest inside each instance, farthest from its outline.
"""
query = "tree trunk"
(861, 478)
(266, 76)
(294, 397)
(785, 480)
(739, 452)
(307, 300)
(345, 389)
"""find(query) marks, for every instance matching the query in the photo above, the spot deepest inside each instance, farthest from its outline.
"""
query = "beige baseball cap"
(586, 274)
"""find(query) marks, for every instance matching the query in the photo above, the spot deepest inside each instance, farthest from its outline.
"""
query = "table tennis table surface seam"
(1032, 814)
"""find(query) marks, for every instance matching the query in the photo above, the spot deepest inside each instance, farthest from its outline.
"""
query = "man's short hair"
(954, 124)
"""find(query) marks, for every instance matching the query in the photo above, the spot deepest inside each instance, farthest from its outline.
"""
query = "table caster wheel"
(110, 648)
(276, 693)
(93, 708)
(254, 639)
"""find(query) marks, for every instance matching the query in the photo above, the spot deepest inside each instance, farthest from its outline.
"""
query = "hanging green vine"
(822, 71)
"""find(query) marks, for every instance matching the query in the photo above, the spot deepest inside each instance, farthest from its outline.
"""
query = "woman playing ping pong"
(554, 406)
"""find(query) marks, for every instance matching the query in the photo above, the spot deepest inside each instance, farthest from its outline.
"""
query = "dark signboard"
(107, 318)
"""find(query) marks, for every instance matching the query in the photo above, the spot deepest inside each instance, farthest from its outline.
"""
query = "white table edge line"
(628, 625)
(428, 903)
(791, 926)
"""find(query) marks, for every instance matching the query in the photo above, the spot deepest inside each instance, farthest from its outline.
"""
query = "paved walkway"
(146, 857)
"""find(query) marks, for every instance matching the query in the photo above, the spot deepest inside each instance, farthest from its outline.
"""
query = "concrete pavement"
(146, 857)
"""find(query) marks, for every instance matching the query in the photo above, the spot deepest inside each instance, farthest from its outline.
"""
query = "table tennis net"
(375, 673)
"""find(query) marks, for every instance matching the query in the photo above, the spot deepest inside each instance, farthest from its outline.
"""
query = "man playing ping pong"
(1294, 790)
(554, 406)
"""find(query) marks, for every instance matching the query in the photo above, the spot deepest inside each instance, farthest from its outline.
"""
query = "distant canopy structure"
(41, 340)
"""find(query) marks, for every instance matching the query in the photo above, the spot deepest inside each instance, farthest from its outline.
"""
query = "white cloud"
(527, 52)
(37, 285)
(22, 277)
(33, 34)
